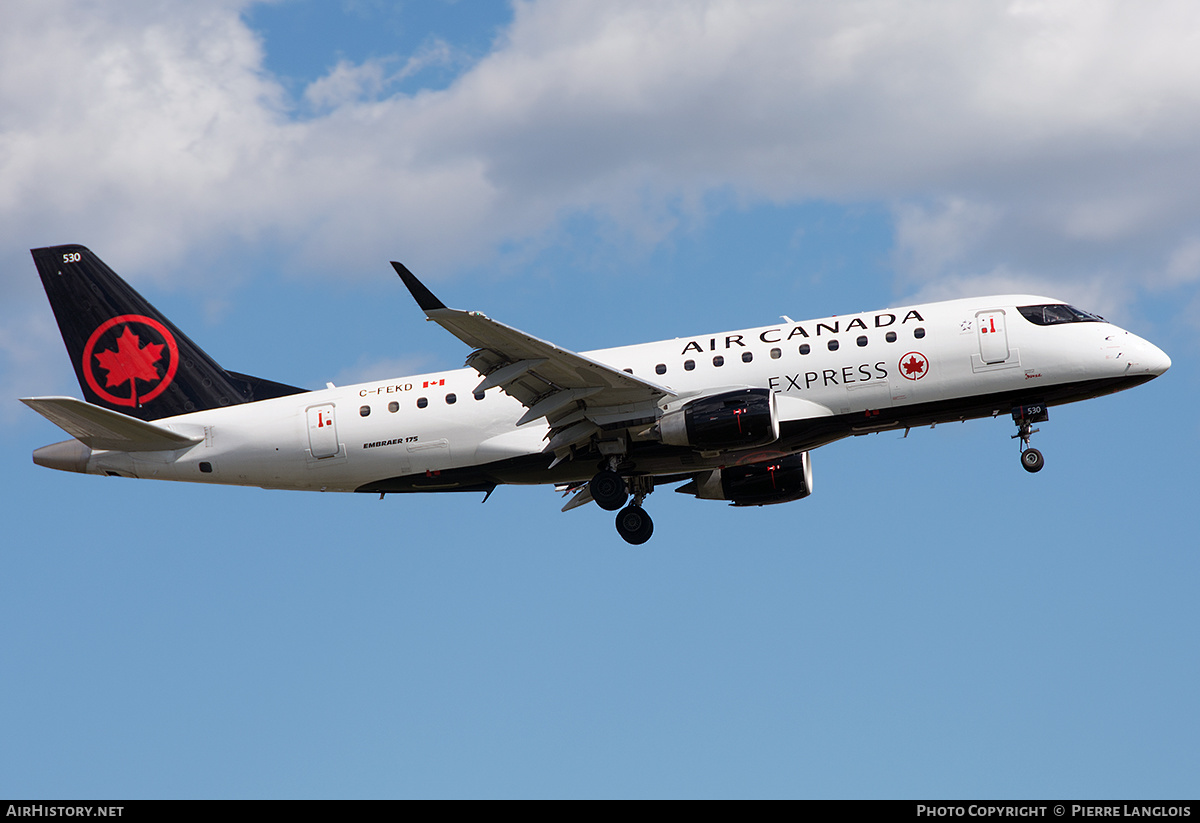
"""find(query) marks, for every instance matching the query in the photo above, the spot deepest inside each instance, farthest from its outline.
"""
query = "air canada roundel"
(914, 365)
(130, 360)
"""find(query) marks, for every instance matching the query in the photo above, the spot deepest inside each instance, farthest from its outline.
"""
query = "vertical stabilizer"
(128, 357)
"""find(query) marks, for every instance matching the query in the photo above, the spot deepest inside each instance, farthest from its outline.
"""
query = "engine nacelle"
(757, 484)
(740, 419)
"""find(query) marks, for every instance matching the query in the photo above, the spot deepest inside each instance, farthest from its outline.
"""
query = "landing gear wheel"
(634, 525)
(608, 490)
(1032, 460)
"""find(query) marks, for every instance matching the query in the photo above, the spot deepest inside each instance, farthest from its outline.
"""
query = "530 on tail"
(731, 416)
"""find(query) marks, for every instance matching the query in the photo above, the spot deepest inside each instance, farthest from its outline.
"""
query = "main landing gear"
(1025, 416)
(608, 490)
(611, 491)
(634, 524)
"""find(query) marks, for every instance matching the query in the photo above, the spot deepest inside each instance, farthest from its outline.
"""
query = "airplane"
(731, 416)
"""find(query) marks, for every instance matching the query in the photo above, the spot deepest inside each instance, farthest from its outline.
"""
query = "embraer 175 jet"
(732, 416)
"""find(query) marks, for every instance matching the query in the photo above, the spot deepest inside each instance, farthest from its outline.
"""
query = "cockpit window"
(1052, 314)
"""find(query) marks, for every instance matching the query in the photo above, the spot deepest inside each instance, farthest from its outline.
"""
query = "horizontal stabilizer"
(100, 428)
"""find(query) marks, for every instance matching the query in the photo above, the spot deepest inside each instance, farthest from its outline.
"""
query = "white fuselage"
(852, 373)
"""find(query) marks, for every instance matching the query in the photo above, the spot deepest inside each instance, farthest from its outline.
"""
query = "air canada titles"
(830, 326)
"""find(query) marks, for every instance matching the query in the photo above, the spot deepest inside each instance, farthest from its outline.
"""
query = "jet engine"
(739, 419)
(756, 484)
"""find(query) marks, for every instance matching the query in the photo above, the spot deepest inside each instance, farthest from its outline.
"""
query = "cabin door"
(322, 431)
(993, 338)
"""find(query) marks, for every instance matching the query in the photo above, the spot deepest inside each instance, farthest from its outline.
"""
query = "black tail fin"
(127, 356)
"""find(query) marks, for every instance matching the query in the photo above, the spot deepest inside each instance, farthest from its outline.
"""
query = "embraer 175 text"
(733, 416)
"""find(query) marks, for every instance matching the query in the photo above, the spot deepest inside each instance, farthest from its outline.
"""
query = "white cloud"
(930, 240)
(347, 83)
(1045, 138)
(132, 123)
(1183, 265)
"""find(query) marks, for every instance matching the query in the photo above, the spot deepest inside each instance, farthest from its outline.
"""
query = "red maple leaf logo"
(914, 365)
(130, 362)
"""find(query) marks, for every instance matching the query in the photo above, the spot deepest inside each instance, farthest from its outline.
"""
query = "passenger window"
(747, 356)
(833, 345)
(364, 411)
(776, 354)
(861, 341)
(890, 337)
(627, 371)
(478, 395)
(718, 360)
(688, 365)
(451, 399)
(661, 368)
(918, 332)
(805, 348)
(393, 407)
(422, 402)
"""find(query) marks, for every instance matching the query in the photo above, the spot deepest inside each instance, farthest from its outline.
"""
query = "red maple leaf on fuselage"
(130, 362)
(914, 366)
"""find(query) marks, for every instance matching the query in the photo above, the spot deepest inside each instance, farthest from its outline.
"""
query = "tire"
(1032, 460)
(608, 490)
(634, 525)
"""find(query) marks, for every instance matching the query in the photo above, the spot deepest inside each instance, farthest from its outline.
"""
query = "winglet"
(422, 295)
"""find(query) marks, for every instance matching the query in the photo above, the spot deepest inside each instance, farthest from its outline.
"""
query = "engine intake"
(756, 484)
(740, 419)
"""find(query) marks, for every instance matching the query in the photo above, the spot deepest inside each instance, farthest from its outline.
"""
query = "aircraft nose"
(1150, 358)
(1155, 359)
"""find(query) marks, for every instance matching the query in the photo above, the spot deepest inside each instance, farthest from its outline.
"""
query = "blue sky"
(931, 622)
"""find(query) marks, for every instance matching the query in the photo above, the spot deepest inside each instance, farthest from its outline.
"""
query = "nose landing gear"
(1025, 416)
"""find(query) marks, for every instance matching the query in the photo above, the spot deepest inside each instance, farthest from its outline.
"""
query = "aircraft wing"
(100, 428)
(576, 395)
